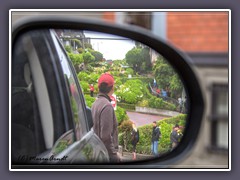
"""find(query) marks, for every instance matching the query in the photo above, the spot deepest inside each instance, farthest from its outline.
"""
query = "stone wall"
(156, 111)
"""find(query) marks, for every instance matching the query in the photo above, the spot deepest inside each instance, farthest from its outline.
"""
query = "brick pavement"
(141, 119)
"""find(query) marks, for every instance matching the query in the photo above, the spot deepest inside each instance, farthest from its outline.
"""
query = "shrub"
(130, 92)
(80, 50)
(143, 103)
(93, 78)
(121, 115)
(129, 71)
(158, 103)
(68, 48)
(145, 80)
(151, 102)
(118, 82)
(84, 86)
(165, 137)
(127, 106)
(124, 137)
(76, 58)
(145, 134)
(89, 100)
(83, 76)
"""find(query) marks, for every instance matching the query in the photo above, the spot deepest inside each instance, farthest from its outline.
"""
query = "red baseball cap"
(106, 78)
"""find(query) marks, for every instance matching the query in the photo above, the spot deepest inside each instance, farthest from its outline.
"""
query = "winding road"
(141, 119)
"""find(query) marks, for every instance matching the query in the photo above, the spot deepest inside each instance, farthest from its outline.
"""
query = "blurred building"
(204, 37)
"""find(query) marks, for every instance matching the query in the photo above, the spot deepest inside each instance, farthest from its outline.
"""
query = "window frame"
(83, 120)
(215, 118)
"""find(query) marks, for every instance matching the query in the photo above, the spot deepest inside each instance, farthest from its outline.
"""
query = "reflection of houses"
(109, 61)
(204, 36)
(74, 38)
(153, 55)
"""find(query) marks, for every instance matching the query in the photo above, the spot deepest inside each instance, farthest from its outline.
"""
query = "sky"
(111, 49)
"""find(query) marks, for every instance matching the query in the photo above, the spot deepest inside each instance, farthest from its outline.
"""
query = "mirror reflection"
(149, 99)
(137, 100)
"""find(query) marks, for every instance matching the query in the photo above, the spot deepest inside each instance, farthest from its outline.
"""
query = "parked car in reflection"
(50, 121)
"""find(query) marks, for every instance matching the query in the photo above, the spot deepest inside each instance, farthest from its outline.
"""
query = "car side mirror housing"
(177, 59)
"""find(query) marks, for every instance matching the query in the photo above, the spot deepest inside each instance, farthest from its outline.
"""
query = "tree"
(132, 91)
(139, 58)
(88, 58)
(167, 77)
(80, 50)
(134, 58)
(76, 43)
(98, 56)
(147, 65)
(76, 58)
(88, 45)
(163, 75)
(176, 86)
(68, 48)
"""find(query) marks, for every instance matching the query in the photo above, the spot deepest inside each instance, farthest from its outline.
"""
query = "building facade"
(203, 36)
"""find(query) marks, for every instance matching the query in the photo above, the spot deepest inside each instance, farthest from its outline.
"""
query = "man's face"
(154, 124)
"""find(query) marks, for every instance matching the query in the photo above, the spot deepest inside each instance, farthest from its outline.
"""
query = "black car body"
(50, 121)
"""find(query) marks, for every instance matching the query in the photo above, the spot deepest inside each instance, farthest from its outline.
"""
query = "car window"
(74, 95)
(37, 111)
(26, 126)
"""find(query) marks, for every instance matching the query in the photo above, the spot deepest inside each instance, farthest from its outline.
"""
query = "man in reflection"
(104, 119)
(175, 136)
(91, 87)
(164, 94)
(156, 133)
(186, 104)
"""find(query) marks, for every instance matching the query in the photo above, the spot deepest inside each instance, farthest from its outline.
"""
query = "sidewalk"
(141, 119)
(127, 156)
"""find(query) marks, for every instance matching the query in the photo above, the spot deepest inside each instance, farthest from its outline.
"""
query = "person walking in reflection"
(175, 136)
(134, 139)
(104, 118)
(91, 90)
(156, 133)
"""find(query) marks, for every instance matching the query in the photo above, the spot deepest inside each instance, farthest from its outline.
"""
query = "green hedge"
(126, 106)
(143, 79)
(130, 92)
(145, 133)
(121, 115)
(157, 103)
(89, 100)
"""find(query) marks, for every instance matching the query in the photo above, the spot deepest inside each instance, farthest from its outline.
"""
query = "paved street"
(141, 119)
(127, 156)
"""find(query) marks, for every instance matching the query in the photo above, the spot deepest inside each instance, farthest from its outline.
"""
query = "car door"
(49, 119)
(87, 147)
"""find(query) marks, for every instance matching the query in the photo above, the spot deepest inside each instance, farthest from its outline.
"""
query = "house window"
(219, 117)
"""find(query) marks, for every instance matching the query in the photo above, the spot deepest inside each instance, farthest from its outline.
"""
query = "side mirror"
(173, 68)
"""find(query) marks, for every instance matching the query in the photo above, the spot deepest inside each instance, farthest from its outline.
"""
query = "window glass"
(220, 116)
(27, 137)
(222, 134)
(76, 103)
(222, 103)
